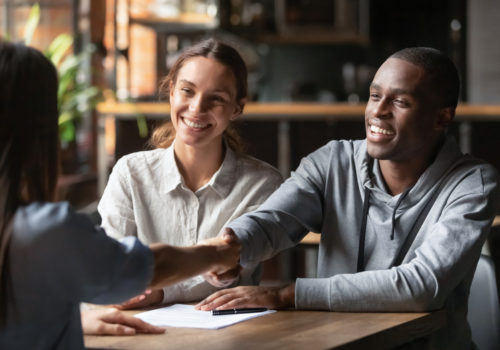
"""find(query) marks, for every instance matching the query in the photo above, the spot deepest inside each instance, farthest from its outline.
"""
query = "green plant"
(74, 95)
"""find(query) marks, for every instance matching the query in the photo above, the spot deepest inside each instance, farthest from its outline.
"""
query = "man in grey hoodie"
(403, 214)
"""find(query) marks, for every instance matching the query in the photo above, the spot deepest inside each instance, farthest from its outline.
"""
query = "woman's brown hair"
(164, 135)
(28, 139)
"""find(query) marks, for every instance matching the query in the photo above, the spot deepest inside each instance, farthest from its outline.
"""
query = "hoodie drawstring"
(362, 230)
(403, 195)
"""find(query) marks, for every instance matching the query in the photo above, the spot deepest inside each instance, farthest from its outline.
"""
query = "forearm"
(373, 291)
(284, 218)
(286, 296)
(413, 287)
(174, 264)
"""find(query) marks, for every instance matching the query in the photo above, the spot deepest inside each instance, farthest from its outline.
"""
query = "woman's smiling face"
(203, 102)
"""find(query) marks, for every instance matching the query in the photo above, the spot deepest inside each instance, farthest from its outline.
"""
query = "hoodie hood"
(371, 176)
(400, 216)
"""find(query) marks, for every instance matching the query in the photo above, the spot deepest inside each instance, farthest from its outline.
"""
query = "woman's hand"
(111, 321)
(223, 280)
(250, 296)
(174, 264)
(148, 298)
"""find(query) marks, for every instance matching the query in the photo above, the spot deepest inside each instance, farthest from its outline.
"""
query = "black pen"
(238, 311)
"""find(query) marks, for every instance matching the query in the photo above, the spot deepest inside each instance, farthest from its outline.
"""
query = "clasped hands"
(223, 270)
(224, 277)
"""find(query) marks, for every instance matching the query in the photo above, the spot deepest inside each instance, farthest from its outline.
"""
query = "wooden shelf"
(183, 23)
(291, 111)
(313, 38)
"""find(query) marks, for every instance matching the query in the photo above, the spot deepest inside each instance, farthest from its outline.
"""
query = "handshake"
(228, 251)
(217, 259)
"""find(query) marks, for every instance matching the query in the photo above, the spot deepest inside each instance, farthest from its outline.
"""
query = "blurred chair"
(484, 309)
(494, 247)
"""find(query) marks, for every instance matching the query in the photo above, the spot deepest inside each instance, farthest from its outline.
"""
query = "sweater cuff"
(312, 294)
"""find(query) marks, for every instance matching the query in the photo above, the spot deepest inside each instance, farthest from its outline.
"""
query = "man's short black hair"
(441, 71)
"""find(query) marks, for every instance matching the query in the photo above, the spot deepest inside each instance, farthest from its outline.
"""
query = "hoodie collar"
(221, 182)
(372, 176)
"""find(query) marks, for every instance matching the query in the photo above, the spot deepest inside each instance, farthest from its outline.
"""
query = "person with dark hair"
(52, 258)
(402, 214)
(197, 179)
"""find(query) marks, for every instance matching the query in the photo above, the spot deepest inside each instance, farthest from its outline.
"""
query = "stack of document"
(180, 315)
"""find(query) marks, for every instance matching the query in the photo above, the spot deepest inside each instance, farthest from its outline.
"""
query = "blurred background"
(302, 55)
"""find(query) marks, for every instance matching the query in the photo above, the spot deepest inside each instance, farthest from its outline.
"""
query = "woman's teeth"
(195, 125)
(378, 130)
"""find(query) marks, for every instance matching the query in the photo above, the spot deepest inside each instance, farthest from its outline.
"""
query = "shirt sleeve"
(293, 210)
(443, 259)
(116, 205)
(76, 261)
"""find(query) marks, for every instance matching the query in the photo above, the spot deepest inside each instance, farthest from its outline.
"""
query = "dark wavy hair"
(164, 135)
(29, 143)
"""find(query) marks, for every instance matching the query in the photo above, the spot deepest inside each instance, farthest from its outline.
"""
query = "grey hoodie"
(421, 247)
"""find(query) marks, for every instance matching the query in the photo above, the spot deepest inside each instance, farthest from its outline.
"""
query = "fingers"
(132, 303)
(111, 321)
(214, 280)
(224, 279)
(139, 325)
(148, 298)
(222, 298)
(113, 329)
(247, 296)
(229, 236)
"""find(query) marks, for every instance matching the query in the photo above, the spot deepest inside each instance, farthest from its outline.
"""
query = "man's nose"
(380, 108)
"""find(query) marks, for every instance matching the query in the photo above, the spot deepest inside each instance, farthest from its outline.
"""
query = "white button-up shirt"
(146, 197)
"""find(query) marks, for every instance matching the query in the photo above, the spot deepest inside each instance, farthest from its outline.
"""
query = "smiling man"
(403, 214)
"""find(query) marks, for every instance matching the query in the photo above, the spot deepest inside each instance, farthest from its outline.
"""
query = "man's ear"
(445, 118)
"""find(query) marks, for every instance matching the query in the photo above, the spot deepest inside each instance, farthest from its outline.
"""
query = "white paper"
(181, 315)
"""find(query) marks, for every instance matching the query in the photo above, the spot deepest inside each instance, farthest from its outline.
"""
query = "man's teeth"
(195, 125)
(378, 130)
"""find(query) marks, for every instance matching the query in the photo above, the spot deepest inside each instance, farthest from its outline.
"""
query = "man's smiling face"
(402, 114)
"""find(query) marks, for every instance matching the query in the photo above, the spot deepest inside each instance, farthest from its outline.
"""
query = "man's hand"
(250, 296)
(228, 277)
(111, 321)
(148, 298)
(227, 254)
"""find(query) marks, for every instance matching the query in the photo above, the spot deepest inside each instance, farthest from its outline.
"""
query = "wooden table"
(290, 330)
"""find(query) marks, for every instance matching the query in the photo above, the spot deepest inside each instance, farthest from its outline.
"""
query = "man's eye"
(401, 103)
(374, 96)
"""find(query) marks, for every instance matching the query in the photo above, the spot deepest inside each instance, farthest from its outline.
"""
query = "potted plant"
(75, 96)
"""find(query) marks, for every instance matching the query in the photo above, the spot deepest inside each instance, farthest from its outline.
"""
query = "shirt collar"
(221, 182)
(171, 178)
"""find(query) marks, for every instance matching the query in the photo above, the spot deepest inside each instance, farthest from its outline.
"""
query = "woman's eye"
(218, 99)
(186, 90)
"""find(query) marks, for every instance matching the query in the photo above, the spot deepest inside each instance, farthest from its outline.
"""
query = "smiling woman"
(197, 179)
(233, 72)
